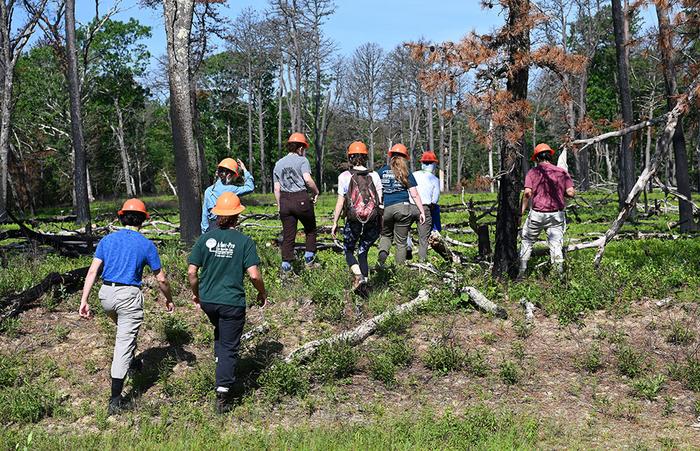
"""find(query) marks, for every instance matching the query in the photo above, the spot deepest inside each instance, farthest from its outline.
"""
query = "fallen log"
(529, 309)
(440, 246)
(358, 334)
(254, 332)
(72, 281)
(56, 241)
(483, 303)
(660, 151)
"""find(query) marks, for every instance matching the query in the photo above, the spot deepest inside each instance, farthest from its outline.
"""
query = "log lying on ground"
(254, 332)
(358, 334)
(483, 303)
(438, 244)
(662, 145)
(71, 246)
(14, 304)
(8, 234)
(529, 309)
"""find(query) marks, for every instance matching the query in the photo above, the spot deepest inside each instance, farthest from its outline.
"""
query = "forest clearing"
(358, 237)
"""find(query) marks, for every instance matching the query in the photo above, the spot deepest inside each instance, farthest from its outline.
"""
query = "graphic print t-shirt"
(394, 191)
(289, 172)
(223, 256)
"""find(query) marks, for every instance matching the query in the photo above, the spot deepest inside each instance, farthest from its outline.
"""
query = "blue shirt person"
(226, 172)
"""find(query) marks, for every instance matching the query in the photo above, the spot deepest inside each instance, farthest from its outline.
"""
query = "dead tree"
(11, 47)
(660, 152)
(668, 65)
(178, 27)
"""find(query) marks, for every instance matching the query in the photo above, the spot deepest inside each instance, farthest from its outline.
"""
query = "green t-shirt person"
(223, 256)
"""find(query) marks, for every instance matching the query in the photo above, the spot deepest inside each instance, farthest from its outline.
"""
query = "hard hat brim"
(227, 212)
(121, 212)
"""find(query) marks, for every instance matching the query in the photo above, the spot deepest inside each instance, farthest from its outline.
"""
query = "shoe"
(310, 260)
(117, 406)
(223, 403)
(286, 267)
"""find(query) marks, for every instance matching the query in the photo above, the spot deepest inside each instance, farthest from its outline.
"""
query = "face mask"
(428, 167)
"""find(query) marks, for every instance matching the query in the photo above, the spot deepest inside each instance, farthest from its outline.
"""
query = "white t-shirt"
(428, 187)
(344, 181)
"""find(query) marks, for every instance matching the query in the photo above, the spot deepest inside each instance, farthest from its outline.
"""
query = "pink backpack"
(361, 200)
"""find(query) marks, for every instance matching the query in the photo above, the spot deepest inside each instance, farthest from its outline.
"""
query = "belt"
(547, 211)
(118, 284)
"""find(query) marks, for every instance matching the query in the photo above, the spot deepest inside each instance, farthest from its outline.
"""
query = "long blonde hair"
(399, 166)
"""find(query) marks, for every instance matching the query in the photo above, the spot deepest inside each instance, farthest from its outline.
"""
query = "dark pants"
(228, 324)
(364, 234)
(296, 207)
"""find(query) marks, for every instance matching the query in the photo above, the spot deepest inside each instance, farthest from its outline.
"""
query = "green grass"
(478, 427)
(284, 379)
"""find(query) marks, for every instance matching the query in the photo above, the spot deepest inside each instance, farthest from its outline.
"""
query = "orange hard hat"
(228, 204)
(230, 164)
(134, 205)
(428, 157)
(298, 138)
(399, 149)
(541, 147)
(357, 147)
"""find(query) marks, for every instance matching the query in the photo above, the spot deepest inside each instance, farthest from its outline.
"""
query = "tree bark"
(82, 207)
(178, 27)
(669, 69)
(119, 134)
(506, 257)
(261, 141)
(626, 156)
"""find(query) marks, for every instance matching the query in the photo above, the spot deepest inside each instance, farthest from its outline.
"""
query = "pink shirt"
(548, 184)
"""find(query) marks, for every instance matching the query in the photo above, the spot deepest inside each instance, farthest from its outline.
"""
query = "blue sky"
(386, 22)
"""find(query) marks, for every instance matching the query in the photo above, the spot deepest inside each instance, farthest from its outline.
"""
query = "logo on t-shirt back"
(220, 250)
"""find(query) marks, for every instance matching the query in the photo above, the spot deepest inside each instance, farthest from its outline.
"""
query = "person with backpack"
(121, 256)
(429, 190)
(398, 184)
(292, 176)
(224, 256)
(228, 176)
(359, 197)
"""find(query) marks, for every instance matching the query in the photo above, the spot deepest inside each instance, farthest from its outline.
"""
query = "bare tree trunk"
(442, 150)
(250, 121)
(583, 156)
(279, 110)
(626, 155)
(5, 118)
(178, 27)
(261, 142)
(458, 178)
(448, 184)
(506, 259)
(681, 160)
(491, 140)
(82, 209)
(119, 134)
(228, 136)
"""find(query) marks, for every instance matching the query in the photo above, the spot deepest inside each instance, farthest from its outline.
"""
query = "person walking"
(398, 184)
(292, 177)
(121, 256)
(359, 197)
(429, 189)
(227, 181)
(546, 187)
(224, 254)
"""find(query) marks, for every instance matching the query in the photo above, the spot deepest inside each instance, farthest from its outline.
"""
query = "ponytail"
(399, 166)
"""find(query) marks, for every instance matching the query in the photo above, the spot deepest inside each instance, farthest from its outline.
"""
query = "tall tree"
(82, 203)
(11, 47)
(668, 64)
(178, 28)
(625, 154)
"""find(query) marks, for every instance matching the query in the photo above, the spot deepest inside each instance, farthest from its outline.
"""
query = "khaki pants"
(397, 223)
(124, 305)
(423, 230)
(554, 224)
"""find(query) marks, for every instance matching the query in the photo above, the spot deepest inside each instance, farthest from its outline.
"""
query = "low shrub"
(174, 330)
(510, 372)
(592, 359)
(648, 387)
(680, 334)
(334, 362)
(444, 357)
(630, 363)
(284, 379)
(383, 369)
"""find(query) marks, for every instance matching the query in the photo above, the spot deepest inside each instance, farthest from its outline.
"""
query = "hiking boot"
(223, 403)
(310, 260)
(359, 286)
(117, 406)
